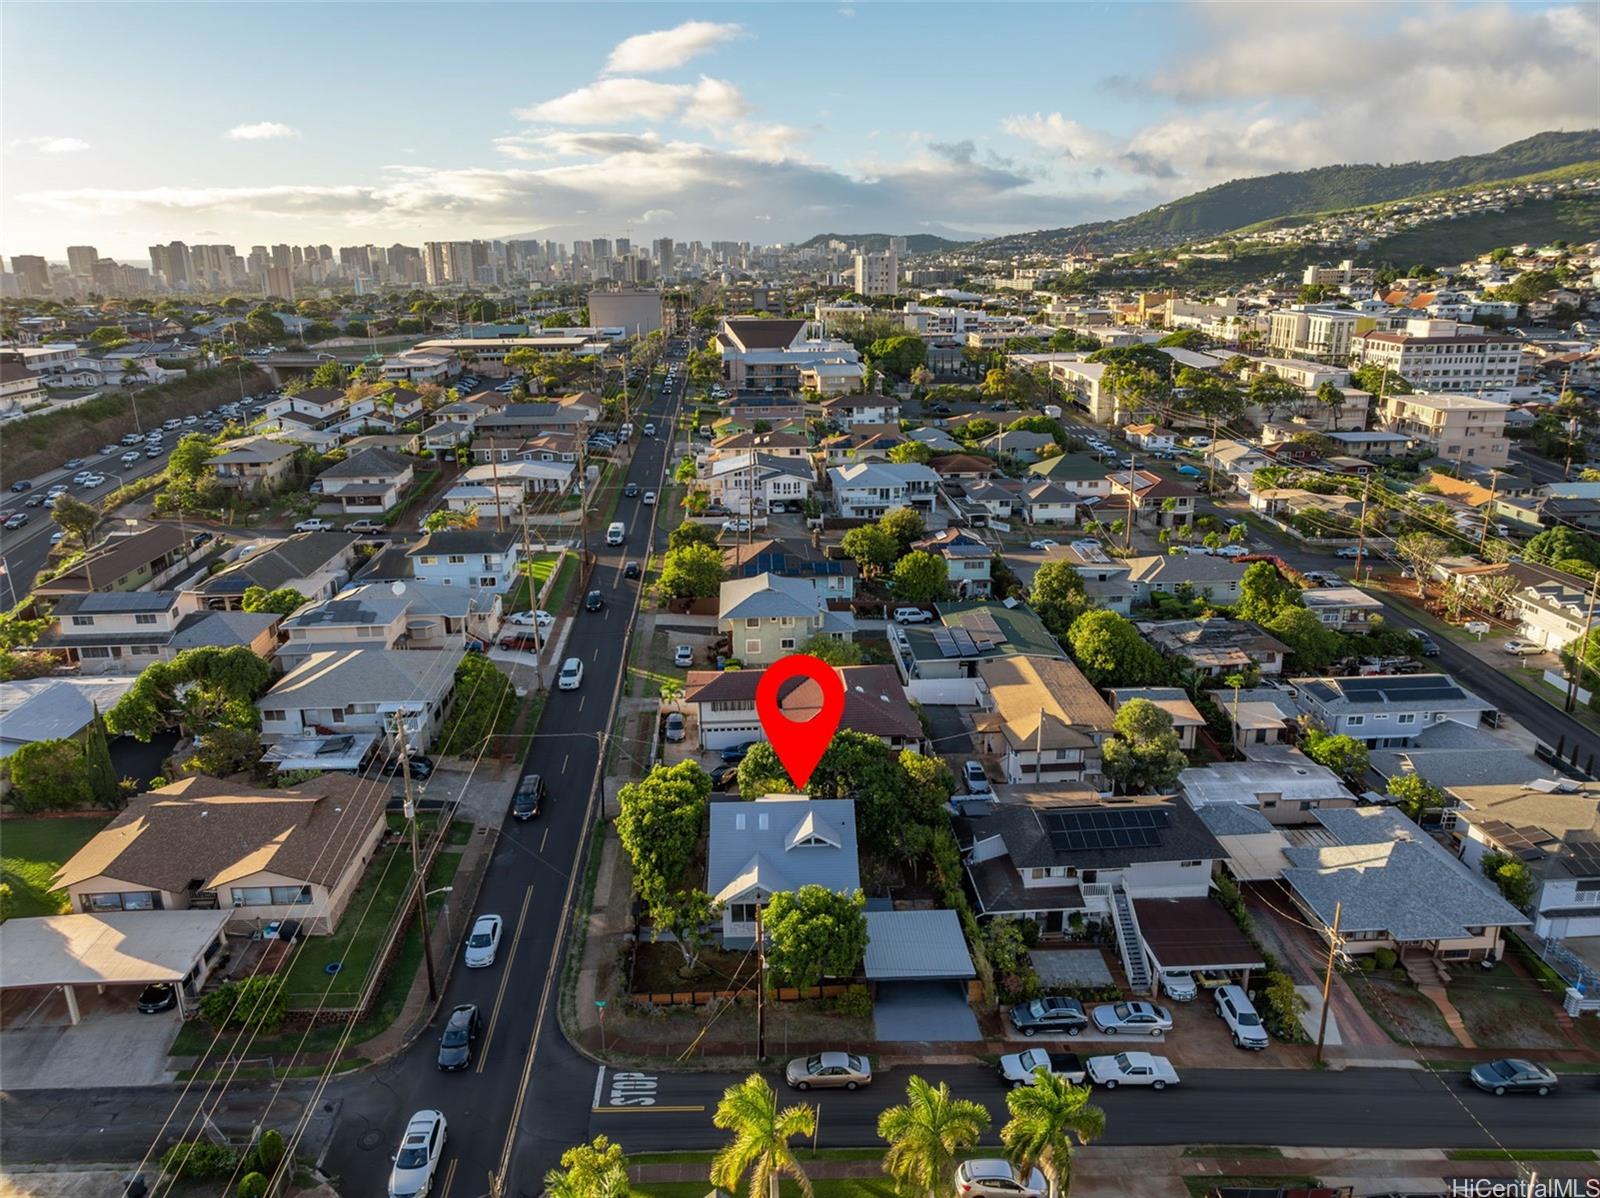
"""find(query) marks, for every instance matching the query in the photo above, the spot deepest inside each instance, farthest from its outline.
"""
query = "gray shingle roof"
(465, 540)
(767, 596)
(369, 462)
(373, 605)
(752, 845)
(299, 556)
(220, 629)
(346, 676)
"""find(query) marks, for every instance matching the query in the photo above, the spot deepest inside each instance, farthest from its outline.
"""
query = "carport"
(918, 967)
(123, 948)
(1185, 935)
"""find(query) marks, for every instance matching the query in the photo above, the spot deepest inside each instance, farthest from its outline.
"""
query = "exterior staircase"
(1129, 943)
(1424, 969)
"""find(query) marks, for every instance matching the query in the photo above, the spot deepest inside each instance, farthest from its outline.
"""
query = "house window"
(742, 912)
(428, 559)
(144, 618)
(1406, 717)
(751, 647)
(94, 651)
(82, 621)
(752, 622)
(457, 559)
(1190, 864)
(125, 900)
(786, 643)
(272, 713)
(1355, 721)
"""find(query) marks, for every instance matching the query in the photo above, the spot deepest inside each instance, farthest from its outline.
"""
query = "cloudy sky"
(770, 122)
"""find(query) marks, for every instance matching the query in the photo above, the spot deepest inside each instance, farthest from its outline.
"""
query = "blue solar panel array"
(1135, 828)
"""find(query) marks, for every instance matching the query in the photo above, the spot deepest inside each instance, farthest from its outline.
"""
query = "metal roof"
(128, 948)
(916, 946)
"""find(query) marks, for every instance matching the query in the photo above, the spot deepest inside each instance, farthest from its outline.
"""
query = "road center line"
(599, 1084)
(544, 838)
(449, 1177)
(505, 979)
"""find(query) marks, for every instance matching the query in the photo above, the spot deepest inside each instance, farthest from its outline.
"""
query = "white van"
(1235, 1009)
(617, 533)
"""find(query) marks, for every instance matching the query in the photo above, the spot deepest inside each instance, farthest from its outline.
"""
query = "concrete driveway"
(108, 1048)
(951, 736)
(926, 1011)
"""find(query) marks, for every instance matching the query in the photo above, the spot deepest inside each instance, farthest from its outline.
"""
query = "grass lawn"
(31, 850)
(1407, 1016)
(1503, 1010)
(566, 580)
(540, 568)
(650, 665)
(1519, 1154)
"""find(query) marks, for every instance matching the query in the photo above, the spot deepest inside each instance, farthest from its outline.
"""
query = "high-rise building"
(624, 247)
(405, 263)
(433, 263)
(600, 249)
(171, 262)
(280, 281)
(878, 274)
(355, 260)
(897, 246)
(81, 260)
(282, 257)
(661, 251)
(260, 258)
(33, 273)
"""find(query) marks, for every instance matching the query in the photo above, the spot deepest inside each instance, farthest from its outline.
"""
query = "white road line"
(580, 703)
(599, 1085)
(564, 761)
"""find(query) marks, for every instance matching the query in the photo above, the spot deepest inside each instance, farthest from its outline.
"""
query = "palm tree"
(925, 1134)
(1235, 680)
(1047, 1119)
(132, 371)
(761, 1135)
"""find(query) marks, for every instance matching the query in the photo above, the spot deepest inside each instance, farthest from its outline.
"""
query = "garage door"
(725, 736)
(925, 1011)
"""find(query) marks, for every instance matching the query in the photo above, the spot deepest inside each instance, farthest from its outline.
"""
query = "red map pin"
(800, 744)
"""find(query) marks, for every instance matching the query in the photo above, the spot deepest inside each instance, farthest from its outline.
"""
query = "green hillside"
(1245, 202)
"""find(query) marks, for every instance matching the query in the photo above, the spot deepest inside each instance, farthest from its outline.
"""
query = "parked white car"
(998, 1179)
(540, 618)
(483, 943)
(1132, 1069)
(1522, 648)
(1043, 543)
(1236, 1010)
(912, 615)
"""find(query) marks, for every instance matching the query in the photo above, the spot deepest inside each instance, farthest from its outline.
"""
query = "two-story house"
(122, 632)
(1040, 718)
(253, 464)
(834, 578)
(1186, 718)
(874, 704)
(366, 483)
(775, 844)
(1152, 499)
(1347, 609)
(869, 489)
(468, 557)
(769, 616)
(374, 618)
(967, 559)
(848, 411)
(317, 564)
(362, 690)
(1387, 711)
(752, 482)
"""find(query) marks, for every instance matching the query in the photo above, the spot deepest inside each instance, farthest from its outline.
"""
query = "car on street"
(130, 457)
(1132, 1019)
(593, 601)
(421, 1148)
(630, 570)
(649, 499)
(72, 463)
(977, 780)
(157, 997)
(736, 753)
(419, 767)
(540, 618)
(107, 451)
(529, 796)
(154, 451)
(1132, 1069)
(16, 520)
(1511, 1074)
(736, 526)
(1042, 544)
(683, 656)
(57, 537)
(455, 1044)
(1349, 551)
(364, 525)
(571, 675)
(998, 1179)
(674, 729)
(315, 524)
(483, 943)
(1236, 1010)
(1425, 643)
(1521, 648)
(912, 615)
(631, 491)
(33, 501)
(132, 438)
(829, 1070)
(650, 429)
(1022, 1068)
(21, 485)
(1232, 551)
(1053, 1015)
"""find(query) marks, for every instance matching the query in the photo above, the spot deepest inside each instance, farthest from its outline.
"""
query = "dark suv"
(525, 804)
(1051, 1015)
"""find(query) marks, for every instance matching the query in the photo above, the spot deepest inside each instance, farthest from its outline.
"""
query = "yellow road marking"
(505, 978)
(449, 1178)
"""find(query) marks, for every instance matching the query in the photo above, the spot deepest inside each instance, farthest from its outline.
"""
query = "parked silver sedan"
(824, 1069)
(1133, 1019)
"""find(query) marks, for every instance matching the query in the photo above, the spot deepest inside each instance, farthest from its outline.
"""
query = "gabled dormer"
(813, 832)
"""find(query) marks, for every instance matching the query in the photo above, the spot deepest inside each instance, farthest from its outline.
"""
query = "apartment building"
(1337, 276)
(1437, 355)
(1461, 428)
(1310, 332)
(878, 274)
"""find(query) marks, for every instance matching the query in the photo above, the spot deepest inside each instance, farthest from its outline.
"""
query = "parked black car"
(157, 998)
(1052, 1015)
(735, 753)
(455, 1045)
(725, 777)
(421, 767)
(22, 484)
(525, 804)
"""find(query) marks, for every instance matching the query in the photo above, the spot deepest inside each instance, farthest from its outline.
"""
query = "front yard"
(1502, 1009)
(31, 851)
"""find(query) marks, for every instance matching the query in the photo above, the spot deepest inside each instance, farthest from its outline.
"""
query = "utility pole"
(1361, 523)
(1211, 459)
(1582, 656)
(494, 473)
(1127, 541)
(761, 989)
(1038, 750)
(1488, 509)
(1327, 979)
(416, 861)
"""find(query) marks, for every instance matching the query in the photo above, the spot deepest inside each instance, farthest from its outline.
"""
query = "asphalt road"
(25, 550)
(525, 1095)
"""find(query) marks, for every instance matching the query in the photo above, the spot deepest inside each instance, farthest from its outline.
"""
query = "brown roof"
(114, 558)
(754, 333)
(1027, 689)
(1194, 933)
(207, 832)
(961, 463)
(874, 701)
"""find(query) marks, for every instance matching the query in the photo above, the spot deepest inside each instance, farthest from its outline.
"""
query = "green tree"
(871, 548)
(659, 825)
(1511, 875)
(687, 915)
(197, 690)
(1374, 380)
(921, 577)
(1313, 646)
(100, 776)
(905, 525)
(597, 1169)
(1110, 651)
(284, 601)
(257, 1003)
(1344, 755)
(1143, 755)
(328, 373)
(692, 572)
(442, 518)
(685, 472)
(1058, 596)
(1559, 544)
(813, 933)
(912, 452)
(926, 1133)
(252, 1185)
(899, 355)
(1422, 551)
(835, 653)
(486, 705)
(760, 1148)
(77, 520)
(1416, 794)
(690, 533)
(1048, 1120)
(1263, 593)
(49, 775)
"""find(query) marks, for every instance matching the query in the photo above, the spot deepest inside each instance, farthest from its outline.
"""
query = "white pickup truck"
(1019, 1068)
(1132, 1069)
(314, 524)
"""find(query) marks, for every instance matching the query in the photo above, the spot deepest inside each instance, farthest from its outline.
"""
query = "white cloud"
(713, 103)
(1056, 133)
(51, 145)
(646, 53)
(262, 131)
(538, 147)
(609, 101)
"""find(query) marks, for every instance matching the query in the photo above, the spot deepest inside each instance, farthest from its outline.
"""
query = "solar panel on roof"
(1076, 831)
(942, 641)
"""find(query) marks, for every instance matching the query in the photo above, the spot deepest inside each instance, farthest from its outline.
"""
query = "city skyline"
(747, 122)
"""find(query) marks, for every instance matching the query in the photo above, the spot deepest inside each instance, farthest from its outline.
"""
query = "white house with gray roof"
(1395, 887)
(777, 843)
(366, 483)
(316, 564)
(1387, 711)
(362, 690)
(869, 489)
(769, 616)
